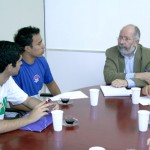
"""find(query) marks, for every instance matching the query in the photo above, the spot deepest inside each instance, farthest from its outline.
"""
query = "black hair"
(24, 36)
(9, 54)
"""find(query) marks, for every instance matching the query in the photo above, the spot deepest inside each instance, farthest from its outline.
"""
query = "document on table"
(71, 95)
(112, 91)
(144, 100)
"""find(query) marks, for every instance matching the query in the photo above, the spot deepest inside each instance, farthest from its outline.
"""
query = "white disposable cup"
(94, 94)
(136, 91)
(57, 116)
(143, 120)
(97, 148)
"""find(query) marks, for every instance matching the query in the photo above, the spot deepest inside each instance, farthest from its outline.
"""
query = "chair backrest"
(11, 113)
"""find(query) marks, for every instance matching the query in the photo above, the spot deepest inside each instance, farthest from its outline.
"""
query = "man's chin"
(125, 52)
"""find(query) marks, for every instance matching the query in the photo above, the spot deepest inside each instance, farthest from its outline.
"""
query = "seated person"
(10, 61)
(34, 71)
(126, 63)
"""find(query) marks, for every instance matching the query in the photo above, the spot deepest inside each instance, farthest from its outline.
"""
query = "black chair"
(18, 113)
(46, 95)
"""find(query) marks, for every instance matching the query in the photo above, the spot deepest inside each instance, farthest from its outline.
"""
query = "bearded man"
(128, 63)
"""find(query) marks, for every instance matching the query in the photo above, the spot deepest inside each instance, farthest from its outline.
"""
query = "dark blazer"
(115, 65)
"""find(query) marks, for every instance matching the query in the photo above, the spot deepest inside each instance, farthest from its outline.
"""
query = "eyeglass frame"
(125, 38)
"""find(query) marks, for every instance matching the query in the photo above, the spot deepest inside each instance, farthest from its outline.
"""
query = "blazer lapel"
(121, 63)
(137, 60)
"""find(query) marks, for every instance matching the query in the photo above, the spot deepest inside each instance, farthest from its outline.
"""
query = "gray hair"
(137, 33)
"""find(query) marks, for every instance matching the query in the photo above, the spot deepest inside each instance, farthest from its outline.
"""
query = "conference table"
(113, 124)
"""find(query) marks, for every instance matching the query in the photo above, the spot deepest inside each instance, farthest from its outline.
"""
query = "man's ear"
(9, 67)
(27, 48)
(137, 41)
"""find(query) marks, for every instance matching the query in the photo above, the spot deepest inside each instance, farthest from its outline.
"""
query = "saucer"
(61, 103)
(76, 123)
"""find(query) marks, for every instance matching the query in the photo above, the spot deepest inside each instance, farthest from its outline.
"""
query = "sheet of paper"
(112, 91)
(144, 100)
(71, 95)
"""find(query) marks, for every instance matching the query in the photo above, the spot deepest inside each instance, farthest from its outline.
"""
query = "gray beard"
(125, 51)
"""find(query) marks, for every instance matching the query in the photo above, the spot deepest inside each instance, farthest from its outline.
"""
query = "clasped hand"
(147, 77)
(119, 83)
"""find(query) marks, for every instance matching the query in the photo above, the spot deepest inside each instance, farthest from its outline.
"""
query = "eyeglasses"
(125, 38)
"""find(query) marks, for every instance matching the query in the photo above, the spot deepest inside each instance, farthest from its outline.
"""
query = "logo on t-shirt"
(3, 105)
(36, 78)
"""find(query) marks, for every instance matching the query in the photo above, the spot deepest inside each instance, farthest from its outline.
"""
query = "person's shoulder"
(144, 49)
(112, 50)
(143, 52)
(41, 59)
(9, 81)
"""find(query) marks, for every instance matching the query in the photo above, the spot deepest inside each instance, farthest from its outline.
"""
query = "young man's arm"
(53, 88)
(20, 107)
(28, 105)
(39, 111)
(32, 102)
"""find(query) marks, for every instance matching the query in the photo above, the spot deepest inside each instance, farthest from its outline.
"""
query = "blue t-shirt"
(31, 77)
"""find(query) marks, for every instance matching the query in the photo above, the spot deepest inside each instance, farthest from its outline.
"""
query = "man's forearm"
(20, 107)
(143, 76)
(53, 88)
(31, 102)
(9, 125)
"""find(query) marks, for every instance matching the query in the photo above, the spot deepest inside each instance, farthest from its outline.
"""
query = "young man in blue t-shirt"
(34, 71)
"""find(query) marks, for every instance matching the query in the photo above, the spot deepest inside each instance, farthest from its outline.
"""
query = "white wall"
(74, 70)
(15, 14)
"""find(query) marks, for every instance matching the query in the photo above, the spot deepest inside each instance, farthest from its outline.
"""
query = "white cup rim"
(56, 111)
(143, 112)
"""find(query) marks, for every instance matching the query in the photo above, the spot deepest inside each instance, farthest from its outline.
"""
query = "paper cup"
(135, 95)
(97, 148)
(57, 116)
(94, 94)
(143, 120)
